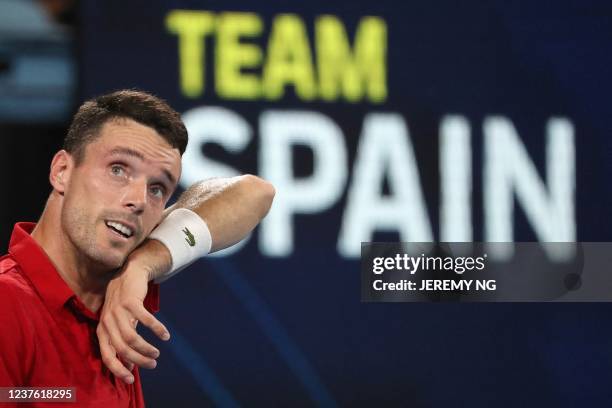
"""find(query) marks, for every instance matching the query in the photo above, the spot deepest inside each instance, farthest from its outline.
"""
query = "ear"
(61, 169)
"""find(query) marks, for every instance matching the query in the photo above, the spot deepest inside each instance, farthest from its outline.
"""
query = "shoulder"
(16, 294)
(10, 273)
(7, 263)
(14, 287)
(16, 343)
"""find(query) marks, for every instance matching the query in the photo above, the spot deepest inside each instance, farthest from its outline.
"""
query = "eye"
(117, 170)
(157, 191)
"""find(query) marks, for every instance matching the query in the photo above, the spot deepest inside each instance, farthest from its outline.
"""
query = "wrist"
(186, 236)
(151, 257)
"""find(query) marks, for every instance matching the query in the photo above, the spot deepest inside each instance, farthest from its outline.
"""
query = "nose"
(135, 196)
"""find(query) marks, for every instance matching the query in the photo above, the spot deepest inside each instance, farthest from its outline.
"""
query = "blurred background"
(375, 120)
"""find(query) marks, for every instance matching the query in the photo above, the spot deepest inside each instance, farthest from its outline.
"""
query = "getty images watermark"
(486, 272)
(414, 264)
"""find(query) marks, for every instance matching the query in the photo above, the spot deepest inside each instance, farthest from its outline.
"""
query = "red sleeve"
(151, 301)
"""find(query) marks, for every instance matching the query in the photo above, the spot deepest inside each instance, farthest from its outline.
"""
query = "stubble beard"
(81, 230)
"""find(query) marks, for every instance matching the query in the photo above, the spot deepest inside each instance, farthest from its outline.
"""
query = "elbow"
(262, 190)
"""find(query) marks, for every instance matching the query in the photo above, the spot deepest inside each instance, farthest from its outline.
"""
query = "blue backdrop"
(285, 327)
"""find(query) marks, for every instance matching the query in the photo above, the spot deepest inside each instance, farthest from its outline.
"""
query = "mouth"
(120, 228)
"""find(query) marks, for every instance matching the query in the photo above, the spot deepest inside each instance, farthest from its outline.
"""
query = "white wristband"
(186, 236)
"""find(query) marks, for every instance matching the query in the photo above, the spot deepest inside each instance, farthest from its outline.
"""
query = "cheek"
(77, 194)
(89, 193)
(85, 182)
(101, 190)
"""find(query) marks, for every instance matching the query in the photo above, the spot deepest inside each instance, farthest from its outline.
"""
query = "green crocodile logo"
(190, 238)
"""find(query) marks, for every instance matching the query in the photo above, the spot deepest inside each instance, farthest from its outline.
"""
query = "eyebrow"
(131, 152)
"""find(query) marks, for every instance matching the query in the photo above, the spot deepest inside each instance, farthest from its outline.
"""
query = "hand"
(123, 309)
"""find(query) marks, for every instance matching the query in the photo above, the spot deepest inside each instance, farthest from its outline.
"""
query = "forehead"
(123, 134)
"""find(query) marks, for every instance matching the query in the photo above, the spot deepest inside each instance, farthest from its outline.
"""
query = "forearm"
(231, 208)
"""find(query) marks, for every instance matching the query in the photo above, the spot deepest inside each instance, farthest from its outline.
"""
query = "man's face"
(117, 195)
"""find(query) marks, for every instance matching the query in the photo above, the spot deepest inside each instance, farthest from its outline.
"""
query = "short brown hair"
(139, 106)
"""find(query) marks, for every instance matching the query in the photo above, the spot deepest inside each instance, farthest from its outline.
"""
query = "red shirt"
(48, 336)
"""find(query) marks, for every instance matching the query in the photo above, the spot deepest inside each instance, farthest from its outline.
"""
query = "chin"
(111, 255)
(117, 261)
(115, 264)
(108, 260)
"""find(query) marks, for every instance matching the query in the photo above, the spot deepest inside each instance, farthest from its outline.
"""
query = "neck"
(81, 274)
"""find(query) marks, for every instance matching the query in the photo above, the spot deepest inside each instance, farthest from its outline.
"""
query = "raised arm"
(231, 208)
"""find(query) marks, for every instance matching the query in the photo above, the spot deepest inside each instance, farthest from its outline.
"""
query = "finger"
(134, 340)
(109, 357)
(127, 364)
(146, 318)
(123, 349)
